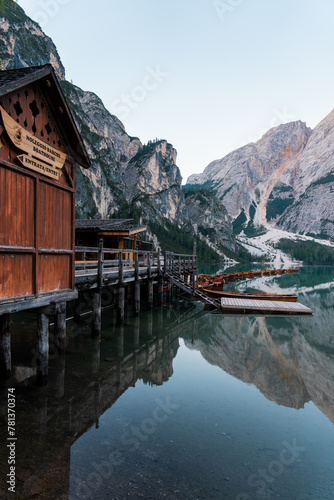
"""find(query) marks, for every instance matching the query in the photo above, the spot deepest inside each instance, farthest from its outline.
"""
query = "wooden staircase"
(184, 281)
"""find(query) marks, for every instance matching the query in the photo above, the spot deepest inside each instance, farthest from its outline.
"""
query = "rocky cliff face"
(126, 177)
(23, 43)
(100, 190)
(285, 178)
(210, 218)
(311, 175)
(153, 183)
(245, 178)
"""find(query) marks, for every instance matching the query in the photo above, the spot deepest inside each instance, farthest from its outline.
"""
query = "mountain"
(286, 179)
(127, 178)
(23, 43)
(311, 175)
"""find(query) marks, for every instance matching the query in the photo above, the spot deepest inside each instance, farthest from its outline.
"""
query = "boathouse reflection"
(83, 385)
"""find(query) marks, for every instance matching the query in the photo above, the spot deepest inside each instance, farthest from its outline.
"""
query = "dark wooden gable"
(39, 149)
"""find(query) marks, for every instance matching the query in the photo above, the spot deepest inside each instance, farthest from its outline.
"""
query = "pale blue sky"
(207, 75)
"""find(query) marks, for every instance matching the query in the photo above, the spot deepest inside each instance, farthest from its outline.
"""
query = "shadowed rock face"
(291, 361)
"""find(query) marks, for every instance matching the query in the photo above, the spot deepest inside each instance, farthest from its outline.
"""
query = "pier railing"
(182, 268)
(98, 260)
(104, 260)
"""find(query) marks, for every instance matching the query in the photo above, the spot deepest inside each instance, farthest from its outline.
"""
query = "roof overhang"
(47, 80)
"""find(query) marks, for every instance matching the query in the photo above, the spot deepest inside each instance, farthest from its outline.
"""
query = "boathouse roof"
(112, 226)
(14, 79)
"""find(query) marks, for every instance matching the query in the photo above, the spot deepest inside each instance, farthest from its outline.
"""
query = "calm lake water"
(182, 404)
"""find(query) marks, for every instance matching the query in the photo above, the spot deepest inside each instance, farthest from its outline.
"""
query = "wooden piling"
(150, 324)
(5, 350)
(60, 376)
(149, 294)
(96, 354)
(77, 308)
(96, 323)
(136, 332)
(120, 304)
(60, 326)
(160, 291)
(169, 291)
(120, 343)
(42, 346)
(136, 298)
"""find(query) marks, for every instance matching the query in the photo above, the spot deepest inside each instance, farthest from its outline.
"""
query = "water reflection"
(82, 386)
(106, 396)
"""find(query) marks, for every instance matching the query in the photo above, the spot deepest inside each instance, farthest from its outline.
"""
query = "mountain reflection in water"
(103, 391)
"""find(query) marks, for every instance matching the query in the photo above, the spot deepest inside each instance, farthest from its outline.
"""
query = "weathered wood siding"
(36, 212)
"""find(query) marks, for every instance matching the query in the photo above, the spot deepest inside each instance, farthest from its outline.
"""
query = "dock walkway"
(253, 306)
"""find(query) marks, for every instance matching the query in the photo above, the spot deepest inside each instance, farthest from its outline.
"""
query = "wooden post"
(136, 332)
(100, 264)
(169, 291)
(136, 301)
(97, 403)
(42, 346)
(77, 308)
(120, 304)
(96, 341)
(165, 263)
(194, 266)
(96, 324)
(120, 343)
(120, 267)
(135, 242)
(60, 326)
(149, 265)
(42, 414)
(60, 376)
(5, 351)
(159, 265)
(160, 291)
(150, 324)
(149, 294)
(136, 266)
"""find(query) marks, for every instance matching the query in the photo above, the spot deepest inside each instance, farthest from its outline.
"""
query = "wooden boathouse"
(121, 234)
(40, 147)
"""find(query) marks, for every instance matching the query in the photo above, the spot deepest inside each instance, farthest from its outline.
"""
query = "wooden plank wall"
(17, 199)
(36, 212)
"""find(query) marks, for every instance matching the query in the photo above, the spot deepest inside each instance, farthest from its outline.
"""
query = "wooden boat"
(215, 292)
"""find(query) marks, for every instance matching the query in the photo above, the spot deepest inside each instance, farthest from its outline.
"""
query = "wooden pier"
(262, 307)
(123, 278)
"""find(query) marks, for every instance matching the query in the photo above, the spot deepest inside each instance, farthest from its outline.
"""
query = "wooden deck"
(264, 307)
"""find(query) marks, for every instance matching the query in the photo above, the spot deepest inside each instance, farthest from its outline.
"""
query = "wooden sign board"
(41, 156)
(39, 166)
